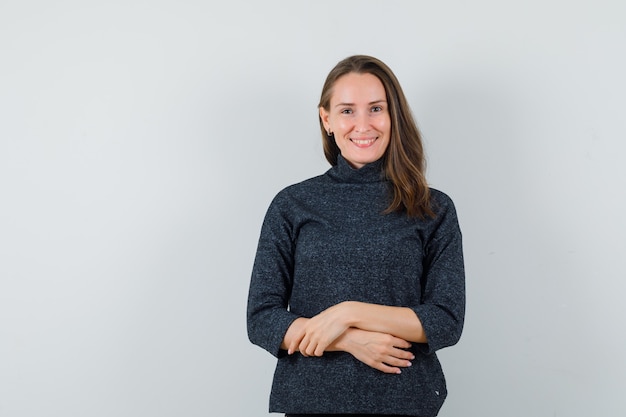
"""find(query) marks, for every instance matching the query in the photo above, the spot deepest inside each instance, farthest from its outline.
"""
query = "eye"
(376, 109)
(346, 111)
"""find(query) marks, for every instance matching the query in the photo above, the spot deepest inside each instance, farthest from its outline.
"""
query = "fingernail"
(410, 364)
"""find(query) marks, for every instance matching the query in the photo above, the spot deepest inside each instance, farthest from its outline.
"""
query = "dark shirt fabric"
(327, 240)
(344, 415)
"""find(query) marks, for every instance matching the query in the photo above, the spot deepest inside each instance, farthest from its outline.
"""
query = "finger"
(397, 362)
(320, 347)
(297, 334)
(401, 343)
(383, 367)
(308, 347)
(402, 354)
(319, 350)
(304, 342)
(302, 348)
(293, 347)
(313, 348)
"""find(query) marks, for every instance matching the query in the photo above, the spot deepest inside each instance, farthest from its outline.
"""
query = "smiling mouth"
(363, 143)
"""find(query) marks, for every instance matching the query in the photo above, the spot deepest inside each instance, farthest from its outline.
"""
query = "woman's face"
(359, 118)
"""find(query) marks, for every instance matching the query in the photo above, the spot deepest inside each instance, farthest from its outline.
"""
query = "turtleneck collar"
(343, 172)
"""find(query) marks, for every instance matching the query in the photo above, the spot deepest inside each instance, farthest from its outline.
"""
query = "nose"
(362, 123)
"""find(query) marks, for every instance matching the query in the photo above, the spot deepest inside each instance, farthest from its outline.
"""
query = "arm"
(378, 350)
(312, 337)
(270, 285)
(401, 322)
(442, 307)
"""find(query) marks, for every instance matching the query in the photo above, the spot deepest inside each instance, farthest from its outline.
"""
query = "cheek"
(385, 144)
(342, 125)
(386, 125)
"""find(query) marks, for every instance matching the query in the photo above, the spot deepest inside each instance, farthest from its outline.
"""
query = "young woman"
(358, 278)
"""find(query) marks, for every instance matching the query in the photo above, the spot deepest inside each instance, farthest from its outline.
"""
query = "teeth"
(363, 141)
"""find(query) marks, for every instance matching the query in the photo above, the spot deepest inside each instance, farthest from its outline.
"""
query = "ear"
(324, 117)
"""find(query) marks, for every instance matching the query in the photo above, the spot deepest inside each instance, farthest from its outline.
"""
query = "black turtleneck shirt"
(326, 240)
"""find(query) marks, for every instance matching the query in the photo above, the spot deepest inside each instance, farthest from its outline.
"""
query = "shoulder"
(441, 202)
(294, 198)
(446, 218)
(300, 190)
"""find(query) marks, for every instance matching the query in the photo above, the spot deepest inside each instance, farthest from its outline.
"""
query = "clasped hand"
(313, 337)
(332, 330)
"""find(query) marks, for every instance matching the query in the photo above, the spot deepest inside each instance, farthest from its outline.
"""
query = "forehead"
(357, 87)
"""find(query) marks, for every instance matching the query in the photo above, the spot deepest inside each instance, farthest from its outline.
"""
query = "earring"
(329, 134)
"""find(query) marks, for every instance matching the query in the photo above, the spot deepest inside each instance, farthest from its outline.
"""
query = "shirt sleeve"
(442, 310)
(268, 317)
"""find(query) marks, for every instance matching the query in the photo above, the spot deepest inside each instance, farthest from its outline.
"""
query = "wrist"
(350, 313)
(342, 343)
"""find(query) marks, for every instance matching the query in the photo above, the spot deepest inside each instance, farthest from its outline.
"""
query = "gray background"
(141, 143)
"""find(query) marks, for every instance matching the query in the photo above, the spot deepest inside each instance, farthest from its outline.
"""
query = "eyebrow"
(369, 104)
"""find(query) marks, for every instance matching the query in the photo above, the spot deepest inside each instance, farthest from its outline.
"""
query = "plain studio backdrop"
(141, 143)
